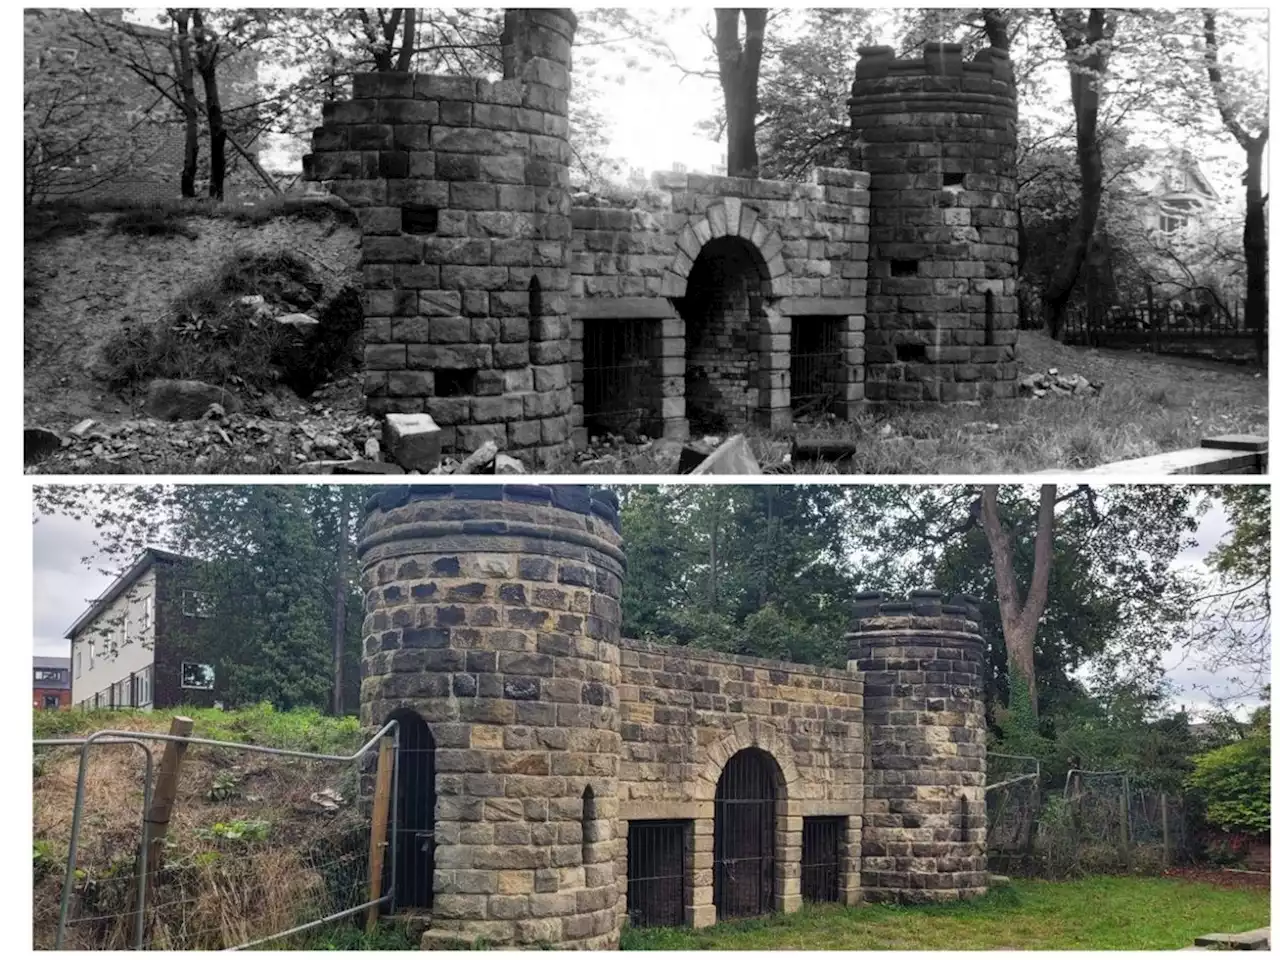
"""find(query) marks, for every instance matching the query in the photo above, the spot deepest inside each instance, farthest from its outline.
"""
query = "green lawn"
(1099, 913)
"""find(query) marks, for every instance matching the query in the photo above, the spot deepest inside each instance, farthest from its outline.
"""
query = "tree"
(81, 126)
(1020, 612)
(276, 562)
(1240, 107)
(190, 106)
(207, 50)
(1235, 610)
(1087, 43)
(739, 62)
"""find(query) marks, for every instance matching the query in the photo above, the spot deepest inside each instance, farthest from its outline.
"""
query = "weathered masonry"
(509, 309)
(558, 781)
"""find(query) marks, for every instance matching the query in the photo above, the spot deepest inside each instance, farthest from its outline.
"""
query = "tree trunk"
(1019, 618)
(190, 108)
(340, 603)
(1086, 55)
(405, 59)
(207, 62)
(740, 80)
(1255, 243)
(1255, 229)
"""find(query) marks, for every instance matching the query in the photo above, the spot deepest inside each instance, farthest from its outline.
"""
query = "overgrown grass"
(167, 217)
(211, 335)
(349, 935)
(248, 853)
(307, 730)
(1098, 913)
(1148, 405)
(154, 222)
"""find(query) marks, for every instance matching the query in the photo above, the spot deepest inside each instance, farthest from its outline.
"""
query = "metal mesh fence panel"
(257, 844)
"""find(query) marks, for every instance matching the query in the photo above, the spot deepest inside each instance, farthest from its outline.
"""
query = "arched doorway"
(745, 814)
(723, 310)
(415, 819)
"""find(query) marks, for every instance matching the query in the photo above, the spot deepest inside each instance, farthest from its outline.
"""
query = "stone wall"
(483, 275)
(938, 137)
(493, 614)
(685, 712)
(800, 248)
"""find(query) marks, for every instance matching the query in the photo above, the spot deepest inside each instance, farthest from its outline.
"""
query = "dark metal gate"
(655, 872)
(415, 821)
(744, 836)
(816, 360)
(620, 386)
(820, 859)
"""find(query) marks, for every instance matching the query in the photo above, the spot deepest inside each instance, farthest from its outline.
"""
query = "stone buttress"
(924, 821)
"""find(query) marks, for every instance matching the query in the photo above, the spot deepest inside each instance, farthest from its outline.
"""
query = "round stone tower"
(492, 614)
(924, 821)
(938, 136)
(461, 188)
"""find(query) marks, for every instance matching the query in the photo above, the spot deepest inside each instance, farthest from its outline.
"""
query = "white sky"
(654, 112)
(63, 587)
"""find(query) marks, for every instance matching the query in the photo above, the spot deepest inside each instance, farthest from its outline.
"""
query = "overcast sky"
(64, 587)
(653, 113)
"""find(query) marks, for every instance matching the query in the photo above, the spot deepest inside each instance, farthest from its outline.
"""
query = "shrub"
(156, 221)
(1236, 783)
(212, 335)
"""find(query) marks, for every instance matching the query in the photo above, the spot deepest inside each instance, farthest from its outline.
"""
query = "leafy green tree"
(1236, 783)
(276, 562)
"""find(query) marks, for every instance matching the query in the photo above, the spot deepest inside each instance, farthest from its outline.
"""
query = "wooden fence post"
(1125, 857)
(163, 798)
(378, 833)
(1164, 829)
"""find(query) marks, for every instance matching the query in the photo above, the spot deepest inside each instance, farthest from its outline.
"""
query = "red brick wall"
(38, 695)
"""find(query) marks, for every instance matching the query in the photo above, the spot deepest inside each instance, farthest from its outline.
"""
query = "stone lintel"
(622, 308)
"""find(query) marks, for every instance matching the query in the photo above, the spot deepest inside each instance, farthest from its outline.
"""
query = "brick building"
(66, 48)
(51, 683)
(136, 646)
(509, 309)
(557, 780)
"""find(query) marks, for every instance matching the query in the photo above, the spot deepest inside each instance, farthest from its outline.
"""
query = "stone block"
(412, 440)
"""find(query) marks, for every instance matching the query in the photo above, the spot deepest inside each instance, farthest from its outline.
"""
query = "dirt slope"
(82, 289)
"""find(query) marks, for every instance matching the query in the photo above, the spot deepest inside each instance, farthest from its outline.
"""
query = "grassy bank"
(1097, 913)
(256, 844)
(1148, 405)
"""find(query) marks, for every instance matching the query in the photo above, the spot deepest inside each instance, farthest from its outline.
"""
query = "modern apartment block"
(134, 648)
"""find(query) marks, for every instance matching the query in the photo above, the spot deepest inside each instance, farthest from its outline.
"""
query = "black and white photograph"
(668, 478)
(642, 241)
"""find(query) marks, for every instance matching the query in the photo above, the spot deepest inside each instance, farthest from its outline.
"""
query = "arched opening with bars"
(415, 815)
(744, 846)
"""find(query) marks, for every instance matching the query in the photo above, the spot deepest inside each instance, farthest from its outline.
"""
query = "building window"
(197, 676)
(53, 676)
(79, 662)
(148, 611)
(196, 603)
(90, 654)
(144, 688)
(1171, 224)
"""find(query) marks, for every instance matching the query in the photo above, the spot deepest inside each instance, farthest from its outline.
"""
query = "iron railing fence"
(657, 851)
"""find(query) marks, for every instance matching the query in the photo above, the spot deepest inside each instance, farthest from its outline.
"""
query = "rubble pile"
(1053, 383)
